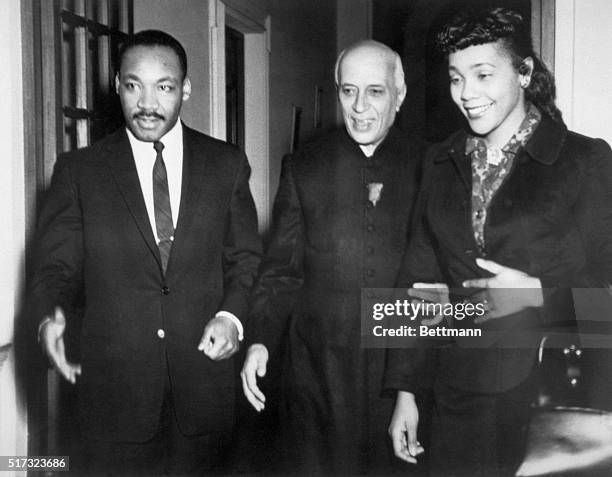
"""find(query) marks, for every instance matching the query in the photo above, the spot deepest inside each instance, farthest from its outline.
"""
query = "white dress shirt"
(144, 157)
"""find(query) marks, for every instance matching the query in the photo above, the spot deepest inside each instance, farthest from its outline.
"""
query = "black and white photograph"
(309, 238)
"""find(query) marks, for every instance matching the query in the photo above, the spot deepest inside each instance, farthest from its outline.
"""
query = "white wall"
(583, 65)
(12, 232)
(256, 107)
(187, 20)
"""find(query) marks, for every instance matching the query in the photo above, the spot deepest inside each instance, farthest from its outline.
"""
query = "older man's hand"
(403, 428)
(254, 366)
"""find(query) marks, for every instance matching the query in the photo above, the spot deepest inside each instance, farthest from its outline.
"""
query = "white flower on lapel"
(374, 191)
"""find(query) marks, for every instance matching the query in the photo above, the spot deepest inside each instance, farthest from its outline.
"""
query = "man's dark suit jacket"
(551, 218)
(94, 233)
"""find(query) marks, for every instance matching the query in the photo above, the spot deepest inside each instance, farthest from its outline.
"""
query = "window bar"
(82, 68)
(104, 66)
(125, 17)
(78, 113)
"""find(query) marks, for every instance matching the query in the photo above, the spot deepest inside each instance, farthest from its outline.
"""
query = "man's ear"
(186, 89)
(401, 95)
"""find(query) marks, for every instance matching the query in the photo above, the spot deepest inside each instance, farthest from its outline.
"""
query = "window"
(91, 31)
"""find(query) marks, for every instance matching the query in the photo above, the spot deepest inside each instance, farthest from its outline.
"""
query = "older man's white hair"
(392, 58)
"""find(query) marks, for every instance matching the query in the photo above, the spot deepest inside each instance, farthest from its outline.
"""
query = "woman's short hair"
(506, 27)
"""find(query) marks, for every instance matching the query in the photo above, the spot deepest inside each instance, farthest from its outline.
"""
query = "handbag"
(567, 440)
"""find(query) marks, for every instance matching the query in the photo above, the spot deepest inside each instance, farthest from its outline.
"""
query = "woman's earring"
(524, 83)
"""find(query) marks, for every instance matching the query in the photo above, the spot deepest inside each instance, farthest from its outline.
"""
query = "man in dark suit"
(155, 225)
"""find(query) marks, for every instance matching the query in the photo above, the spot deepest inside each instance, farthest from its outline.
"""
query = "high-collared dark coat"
(551, 218)
(94, 233)
(329, 241)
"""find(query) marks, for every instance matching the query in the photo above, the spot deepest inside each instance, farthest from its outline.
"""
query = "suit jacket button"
(161, 333)
(469, 252)
(165, 290)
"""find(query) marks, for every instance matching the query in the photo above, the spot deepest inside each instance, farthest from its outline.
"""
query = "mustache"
(147, 114)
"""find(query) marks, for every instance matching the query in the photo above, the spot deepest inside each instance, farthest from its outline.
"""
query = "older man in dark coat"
(340, 224)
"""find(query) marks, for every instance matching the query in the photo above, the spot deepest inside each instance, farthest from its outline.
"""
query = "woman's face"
(486, 88)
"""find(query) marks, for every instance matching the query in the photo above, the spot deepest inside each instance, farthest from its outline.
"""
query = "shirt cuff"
(235, 320)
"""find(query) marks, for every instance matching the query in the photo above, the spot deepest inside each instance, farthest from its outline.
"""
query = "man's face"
(368, 96)
(151, 90)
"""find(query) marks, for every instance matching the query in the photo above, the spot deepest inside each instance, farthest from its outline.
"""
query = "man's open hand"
(51, 336)
(254, 366)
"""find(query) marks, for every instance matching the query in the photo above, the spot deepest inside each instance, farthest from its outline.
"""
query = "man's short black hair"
(153, 38)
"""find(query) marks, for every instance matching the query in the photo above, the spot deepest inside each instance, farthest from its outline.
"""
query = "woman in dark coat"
(517, 202)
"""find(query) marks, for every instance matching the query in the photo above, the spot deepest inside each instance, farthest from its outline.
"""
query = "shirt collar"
(473, 143)
(172, 140)
(390, 138)
(519, 139)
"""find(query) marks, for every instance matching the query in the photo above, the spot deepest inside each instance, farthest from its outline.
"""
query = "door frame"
(255, 25)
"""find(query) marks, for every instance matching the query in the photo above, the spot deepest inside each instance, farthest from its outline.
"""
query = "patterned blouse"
(491, 165)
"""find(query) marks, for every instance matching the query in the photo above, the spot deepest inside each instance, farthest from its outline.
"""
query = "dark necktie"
(163, 210)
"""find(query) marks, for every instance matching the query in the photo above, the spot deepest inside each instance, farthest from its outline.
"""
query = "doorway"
(248, 31)
(234, 86)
